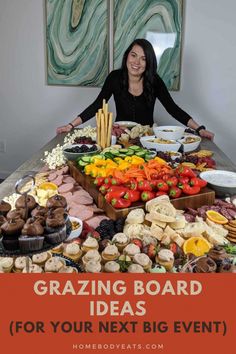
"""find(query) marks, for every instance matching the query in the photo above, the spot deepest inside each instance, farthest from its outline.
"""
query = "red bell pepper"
(172, 181)
(116, 182)
(145, 185)
(195, 181)
(115, 194)
(120, 203)
(118, 188)
(147, 195)
(133, 184)
(185, 171)
(99, 181)
(132, 195)
(183, 180)
(187, 189)
(108, 180)
(166, 176)
(175, 192)
(104, 188)
(162, 186)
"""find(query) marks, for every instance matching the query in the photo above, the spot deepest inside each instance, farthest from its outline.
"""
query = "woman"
(135, 88)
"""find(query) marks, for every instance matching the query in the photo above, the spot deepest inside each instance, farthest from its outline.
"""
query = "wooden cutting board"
(205, 197)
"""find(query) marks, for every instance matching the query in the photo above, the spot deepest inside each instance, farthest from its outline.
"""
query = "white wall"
(30, 110)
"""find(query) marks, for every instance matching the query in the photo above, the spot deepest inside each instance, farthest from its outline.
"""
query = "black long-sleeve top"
(134, 108)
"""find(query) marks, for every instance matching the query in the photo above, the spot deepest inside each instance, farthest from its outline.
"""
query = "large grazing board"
(206, 196)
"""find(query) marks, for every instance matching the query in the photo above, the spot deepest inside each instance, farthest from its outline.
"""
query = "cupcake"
(72, 251)
(4, 207)
(135, 268)
(205, 265)
(165, 258)
(143, 260)
(2, 220)
(56, 201)
(39, 211)
(131, 249)
(21, 263)
(103, 244)
(41, 258)
(54, 264)
(110, 253)
(19, 213)
(33, 268)
(92, 255)
(6, 264)
(28, 200)
(11, 230)
(68, 269)
(112, 267)
(120, 240)
(93, 267)
(89, 244)
(55, 228)
(32, 236)
(157, 268)
(58, 249)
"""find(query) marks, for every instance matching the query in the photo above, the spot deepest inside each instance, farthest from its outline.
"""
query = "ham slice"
(95, 221)
(66, 187)
(81, 213)
(52, 176)
(83, 193)
(58, 181)
(68, 179)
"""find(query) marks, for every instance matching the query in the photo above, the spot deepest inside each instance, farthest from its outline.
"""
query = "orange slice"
(197, 246)
(216, 217)
(48, 185)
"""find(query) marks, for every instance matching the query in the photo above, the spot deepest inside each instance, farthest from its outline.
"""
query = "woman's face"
(136, 61)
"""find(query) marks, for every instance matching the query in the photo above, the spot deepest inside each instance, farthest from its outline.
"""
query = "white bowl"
(169, 132)
(75, 155)
(223, 182)
(151, 144)
(144, 139)
(75, 233)
(190, 146)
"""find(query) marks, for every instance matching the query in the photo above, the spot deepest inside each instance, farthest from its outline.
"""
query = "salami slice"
(52, 176)
(65, 188)
(67, 195)
(83, 213)
(68, 179)
(82, 192)
(58, 181)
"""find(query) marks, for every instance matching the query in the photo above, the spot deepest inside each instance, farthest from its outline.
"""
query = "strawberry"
(137, 242)
(96, 235)
(150, 250)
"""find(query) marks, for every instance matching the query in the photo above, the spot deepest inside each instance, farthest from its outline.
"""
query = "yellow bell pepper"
(160, 161)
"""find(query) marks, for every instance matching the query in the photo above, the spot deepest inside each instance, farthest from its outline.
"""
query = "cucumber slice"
(92, 158)
(122, 155)
(123, 151)
(134, 147)
(140, 153)
(130, 153)
(86, 159)
(114, 152)
(82, 163)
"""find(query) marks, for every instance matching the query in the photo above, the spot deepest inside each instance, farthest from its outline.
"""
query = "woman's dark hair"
(150, 71)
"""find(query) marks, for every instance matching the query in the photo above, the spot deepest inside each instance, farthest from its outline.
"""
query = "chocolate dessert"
(57, 201)
(4, 207)
(30, 202)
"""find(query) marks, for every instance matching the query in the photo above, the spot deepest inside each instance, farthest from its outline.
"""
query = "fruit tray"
(206, 196)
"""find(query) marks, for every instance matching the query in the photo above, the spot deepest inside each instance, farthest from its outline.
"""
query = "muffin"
(54, 264)
(89, 244)
(135, 268)
(41, 258)
(165, 258)
(29, 200)
(4, 207)
(11, 230)
(33, 268)
(68, 269)
(55, 227)
(131, 249)
(39, 211)
(32, 236)
(120, 240)
(56, 201)
(6, 264)
(92, 255)
(93, 267)
(112, 267)
(143, 260)
(20, 264)
(72, 251)
(110, 253)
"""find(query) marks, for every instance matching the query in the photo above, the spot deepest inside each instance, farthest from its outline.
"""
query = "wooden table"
(34, 164)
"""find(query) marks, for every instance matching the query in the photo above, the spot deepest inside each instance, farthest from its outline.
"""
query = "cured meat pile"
(80, 203)
(228, 210)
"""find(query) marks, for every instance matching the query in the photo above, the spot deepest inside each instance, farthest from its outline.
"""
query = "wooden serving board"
(205, 197)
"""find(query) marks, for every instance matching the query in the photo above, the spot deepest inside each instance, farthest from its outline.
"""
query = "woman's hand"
(206, 134)
(64, 129)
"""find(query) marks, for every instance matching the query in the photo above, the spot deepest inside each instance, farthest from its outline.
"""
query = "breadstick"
(98, 128)
(103, 131)
(109, 129)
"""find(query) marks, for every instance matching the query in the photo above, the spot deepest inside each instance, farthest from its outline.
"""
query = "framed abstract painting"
(77, 42)
(160, 22)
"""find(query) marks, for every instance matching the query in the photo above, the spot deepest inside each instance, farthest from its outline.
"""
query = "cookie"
(232, 223)
(230, 228)
(233, 240)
